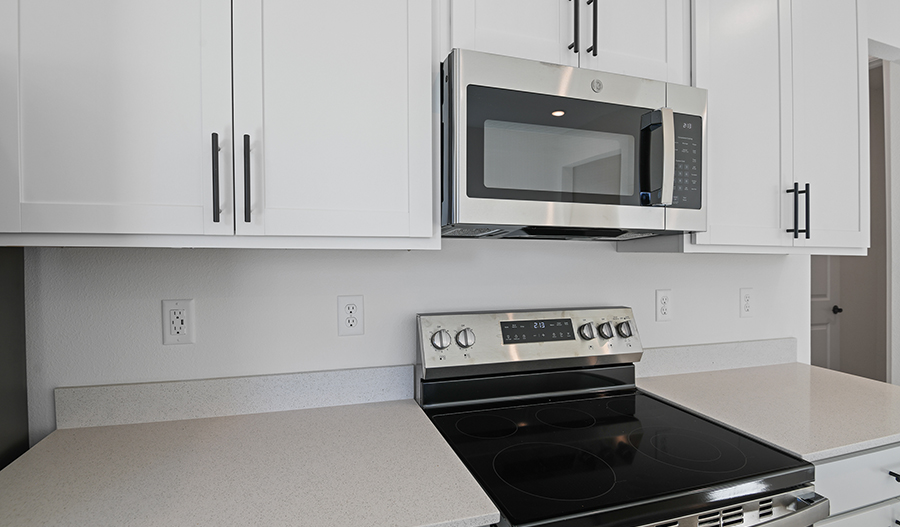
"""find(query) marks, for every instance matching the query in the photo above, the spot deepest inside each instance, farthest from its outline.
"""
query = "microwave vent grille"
(471, 232)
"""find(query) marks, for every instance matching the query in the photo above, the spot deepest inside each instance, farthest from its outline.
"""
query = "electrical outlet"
(351, 315)
(747, 303)
(178, 322)
(663, 305)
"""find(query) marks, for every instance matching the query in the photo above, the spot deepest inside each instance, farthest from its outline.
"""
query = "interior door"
(118, 104)
(824, 316)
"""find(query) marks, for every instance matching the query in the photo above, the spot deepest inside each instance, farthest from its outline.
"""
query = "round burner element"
(554, 472)
(687, 449)
(565, 418)
(486, 426)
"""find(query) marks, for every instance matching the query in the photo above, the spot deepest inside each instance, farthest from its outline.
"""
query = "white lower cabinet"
(130, 117)
(881, 515)
(852, 483)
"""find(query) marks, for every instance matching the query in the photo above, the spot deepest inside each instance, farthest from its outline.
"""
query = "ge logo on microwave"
(596, 85)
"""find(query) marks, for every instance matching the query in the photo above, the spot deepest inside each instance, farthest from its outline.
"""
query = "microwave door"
(657, 157)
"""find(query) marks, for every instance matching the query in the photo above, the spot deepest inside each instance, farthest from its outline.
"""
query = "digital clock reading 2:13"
(519, 331)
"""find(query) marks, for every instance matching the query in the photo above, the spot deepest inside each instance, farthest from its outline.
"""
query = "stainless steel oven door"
(539, 144)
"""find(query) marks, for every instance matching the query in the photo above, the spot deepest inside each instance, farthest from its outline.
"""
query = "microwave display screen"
(523, 331)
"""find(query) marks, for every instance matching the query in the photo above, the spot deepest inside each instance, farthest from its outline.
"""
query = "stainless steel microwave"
(538, 150)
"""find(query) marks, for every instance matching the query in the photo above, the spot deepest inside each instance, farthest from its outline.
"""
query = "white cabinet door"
(117, 104)
(641, 38)
(787, 104)
(742, 72)
(528, 29)
(830, 121)
(335, 98)
(881, 515)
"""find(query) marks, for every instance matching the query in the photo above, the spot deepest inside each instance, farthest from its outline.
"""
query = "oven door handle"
(808, 510)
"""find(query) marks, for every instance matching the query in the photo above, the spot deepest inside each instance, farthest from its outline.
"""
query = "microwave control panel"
(688, 155)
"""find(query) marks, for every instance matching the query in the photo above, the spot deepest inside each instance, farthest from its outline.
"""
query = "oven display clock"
(520, 331)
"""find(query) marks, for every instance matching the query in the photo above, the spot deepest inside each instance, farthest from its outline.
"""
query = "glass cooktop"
(568, 458)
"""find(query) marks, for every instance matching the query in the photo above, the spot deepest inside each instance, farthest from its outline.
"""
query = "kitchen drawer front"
(883, 514)
(861, 480)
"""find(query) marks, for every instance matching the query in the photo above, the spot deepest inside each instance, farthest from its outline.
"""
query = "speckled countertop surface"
(367, 464)
(812, 412)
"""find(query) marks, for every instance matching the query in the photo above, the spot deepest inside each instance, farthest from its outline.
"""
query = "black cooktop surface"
(565, 458)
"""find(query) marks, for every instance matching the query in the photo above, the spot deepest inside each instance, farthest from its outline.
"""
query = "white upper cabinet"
(742, 71)
(787, 105)
(132, 118)
(642, 38)
(117, 104)
(337, 147)
(830, 125)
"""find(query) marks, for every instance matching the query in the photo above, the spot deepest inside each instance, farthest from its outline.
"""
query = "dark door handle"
(796, 191)
(837, 310)
(806, 230)
(574, 45)
(246, 178)
(215, 177)
(593, 48)
(895, 475)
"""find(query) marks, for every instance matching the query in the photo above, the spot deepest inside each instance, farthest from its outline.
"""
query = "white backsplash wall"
(94, 315)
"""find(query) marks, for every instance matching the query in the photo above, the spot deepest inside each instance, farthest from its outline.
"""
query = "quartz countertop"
(809, 411)
(367, 464)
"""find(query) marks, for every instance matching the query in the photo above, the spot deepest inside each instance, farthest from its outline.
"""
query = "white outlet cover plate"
(747, 303)
(190, 336)
(663, 305)
(351, 317)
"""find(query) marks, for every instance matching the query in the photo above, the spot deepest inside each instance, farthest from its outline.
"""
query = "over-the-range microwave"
(538, 150)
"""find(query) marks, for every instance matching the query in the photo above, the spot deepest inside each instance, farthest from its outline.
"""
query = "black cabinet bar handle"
(593, 49)
(215, 176)
(574, 45)
(806, 230)
(246, 178)
(895, 475)
(796, 190)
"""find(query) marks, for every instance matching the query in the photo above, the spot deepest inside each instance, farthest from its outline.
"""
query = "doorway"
(851, 300)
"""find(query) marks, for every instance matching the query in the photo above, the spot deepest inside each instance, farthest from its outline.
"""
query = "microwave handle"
(661, 196)
(668, 182)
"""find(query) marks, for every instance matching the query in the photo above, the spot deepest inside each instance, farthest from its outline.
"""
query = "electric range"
(542, 408)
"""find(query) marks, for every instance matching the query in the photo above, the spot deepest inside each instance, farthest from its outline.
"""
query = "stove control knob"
(624, 329)
(587, 331)
(441, 339)
(465, 338)
(606, 330)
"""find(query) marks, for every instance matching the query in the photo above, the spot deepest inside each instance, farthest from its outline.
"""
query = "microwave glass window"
(530, 146)
(555, 159)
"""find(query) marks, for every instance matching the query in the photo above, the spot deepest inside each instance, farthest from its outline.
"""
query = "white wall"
(881, 19)
(93, 315)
